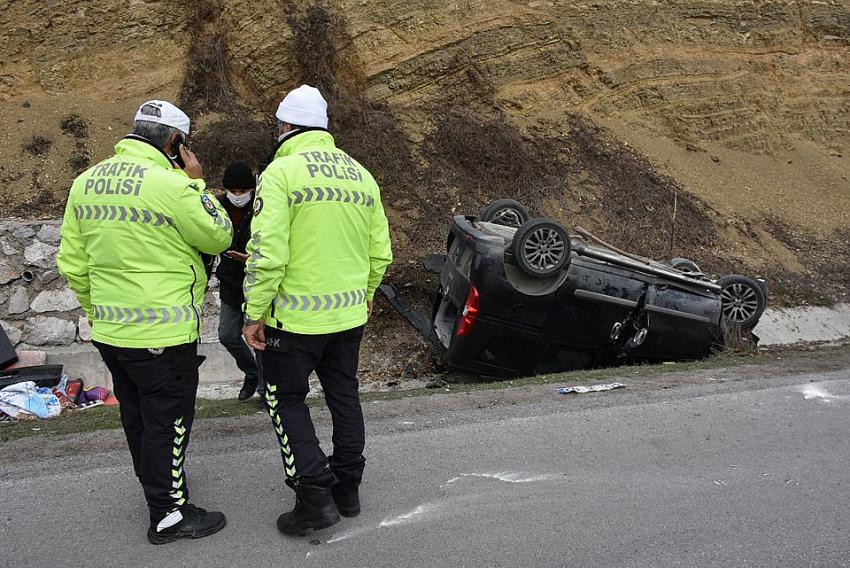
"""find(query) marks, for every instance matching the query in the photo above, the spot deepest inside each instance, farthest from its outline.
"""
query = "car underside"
(521, 296)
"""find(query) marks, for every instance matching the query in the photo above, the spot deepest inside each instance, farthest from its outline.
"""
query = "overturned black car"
(521, 296)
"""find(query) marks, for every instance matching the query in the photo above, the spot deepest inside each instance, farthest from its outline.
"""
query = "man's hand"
(370, 304)
(237, 256)
(193, 167)
(255, 335)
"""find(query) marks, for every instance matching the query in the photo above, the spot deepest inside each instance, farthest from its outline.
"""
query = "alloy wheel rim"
(544, 248)
(740, 302)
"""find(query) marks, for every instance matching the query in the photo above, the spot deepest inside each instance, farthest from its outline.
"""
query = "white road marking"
(506, 476)
(414, 515)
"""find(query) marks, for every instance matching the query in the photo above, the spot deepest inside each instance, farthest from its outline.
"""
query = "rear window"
(461, 257)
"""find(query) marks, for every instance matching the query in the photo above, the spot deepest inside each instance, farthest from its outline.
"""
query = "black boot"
(196, 523)
(346, 498)
(314, 509)
(247, 390)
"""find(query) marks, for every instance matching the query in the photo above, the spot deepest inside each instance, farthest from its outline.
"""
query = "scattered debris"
(418, 319)
(580, 389)
(436, 384)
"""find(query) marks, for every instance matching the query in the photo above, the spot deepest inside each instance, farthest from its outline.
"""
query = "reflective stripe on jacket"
(131, 236)
(320, 242)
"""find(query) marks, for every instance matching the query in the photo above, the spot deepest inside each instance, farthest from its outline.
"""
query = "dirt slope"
(597, 113)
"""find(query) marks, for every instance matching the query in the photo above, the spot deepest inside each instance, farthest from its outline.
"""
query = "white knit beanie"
(304, 106)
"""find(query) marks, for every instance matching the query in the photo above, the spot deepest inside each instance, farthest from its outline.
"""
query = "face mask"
(240, 200)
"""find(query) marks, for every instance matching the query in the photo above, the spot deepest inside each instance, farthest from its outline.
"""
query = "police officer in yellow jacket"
(318, 251)
(134, 227)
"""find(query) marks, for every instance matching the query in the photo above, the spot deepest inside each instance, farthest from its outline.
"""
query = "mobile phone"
(178, 158)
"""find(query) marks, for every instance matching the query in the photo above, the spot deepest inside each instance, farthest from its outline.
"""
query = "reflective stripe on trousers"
(176, 314)
(271, 401)
(178, 476)
(321, 303)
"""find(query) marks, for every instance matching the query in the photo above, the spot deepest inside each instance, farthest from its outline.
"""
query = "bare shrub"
(38, 145)
(79, 160)
(75, 125)
(365, 129)
(231, 140)
(207, 85)
(488, 158)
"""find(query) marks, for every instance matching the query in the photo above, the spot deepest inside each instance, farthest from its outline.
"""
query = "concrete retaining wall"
(787, 326)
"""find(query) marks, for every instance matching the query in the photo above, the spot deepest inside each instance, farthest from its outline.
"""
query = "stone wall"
(37, 309)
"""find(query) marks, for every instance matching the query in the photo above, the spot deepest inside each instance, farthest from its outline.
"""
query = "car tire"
(541, 247)
(684, 265)
(507, 212)
(743, 300)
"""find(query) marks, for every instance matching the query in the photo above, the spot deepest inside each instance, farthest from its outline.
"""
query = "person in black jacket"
(238, 201)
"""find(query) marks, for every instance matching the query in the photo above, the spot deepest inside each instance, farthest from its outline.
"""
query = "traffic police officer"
(319, 247)
(133, 229)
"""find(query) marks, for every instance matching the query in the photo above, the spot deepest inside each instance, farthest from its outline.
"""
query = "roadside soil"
(420, 408)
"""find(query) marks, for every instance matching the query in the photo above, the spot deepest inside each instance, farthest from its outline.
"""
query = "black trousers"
(156, 389)
(288, 361)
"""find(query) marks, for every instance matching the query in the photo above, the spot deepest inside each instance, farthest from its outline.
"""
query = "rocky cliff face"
(604, 114)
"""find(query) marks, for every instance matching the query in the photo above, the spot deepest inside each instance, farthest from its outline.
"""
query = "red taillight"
(470, 313)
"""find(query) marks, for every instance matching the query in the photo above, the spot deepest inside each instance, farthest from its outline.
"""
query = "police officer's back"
(319, 248)
(133, 229)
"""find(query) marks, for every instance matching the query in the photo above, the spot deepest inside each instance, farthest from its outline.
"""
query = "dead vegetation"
(207, 83)
(38, 145)
(79, 160)
(366, 129)
(646, 212)
(825, 259)
(234, 139)
(487, 158)
(75, 125)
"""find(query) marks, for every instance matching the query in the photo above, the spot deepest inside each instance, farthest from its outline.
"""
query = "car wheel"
(541, 247)
(684, 265)
(742, 299)
(505, 212)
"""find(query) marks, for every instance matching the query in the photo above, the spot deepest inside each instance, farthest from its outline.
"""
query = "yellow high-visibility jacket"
(131, 236)
(320, 241)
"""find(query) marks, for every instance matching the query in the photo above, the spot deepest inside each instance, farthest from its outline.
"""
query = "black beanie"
(238, 175)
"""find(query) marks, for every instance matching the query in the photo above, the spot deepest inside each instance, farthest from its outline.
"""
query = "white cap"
(163, 112)
(304, 106)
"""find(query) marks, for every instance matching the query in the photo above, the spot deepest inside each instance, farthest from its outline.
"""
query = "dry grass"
(367, 130)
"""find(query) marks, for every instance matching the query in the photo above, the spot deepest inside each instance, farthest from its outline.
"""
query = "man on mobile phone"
(134, 229)
(239, 183)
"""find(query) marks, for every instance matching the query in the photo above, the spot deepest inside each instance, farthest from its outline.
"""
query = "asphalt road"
(711, 472)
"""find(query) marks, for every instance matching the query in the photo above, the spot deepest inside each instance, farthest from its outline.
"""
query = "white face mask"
(240, 200)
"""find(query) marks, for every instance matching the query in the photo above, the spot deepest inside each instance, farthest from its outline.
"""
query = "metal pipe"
(588, 235)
